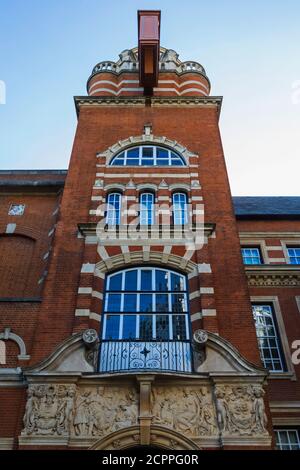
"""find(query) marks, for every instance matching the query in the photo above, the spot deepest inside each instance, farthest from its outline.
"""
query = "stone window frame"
(289, 243)
(290, 372)
(261, 244)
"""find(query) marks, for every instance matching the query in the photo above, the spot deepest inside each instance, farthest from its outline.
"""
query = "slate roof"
(279, 206)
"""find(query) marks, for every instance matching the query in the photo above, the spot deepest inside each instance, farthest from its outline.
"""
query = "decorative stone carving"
(105, 410)
(187, 409)
(273, 280)
(241, 410)
(200, 337)
(90, 337)
(48, 409)
(59, 409)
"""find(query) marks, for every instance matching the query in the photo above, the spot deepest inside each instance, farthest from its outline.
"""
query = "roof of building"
(266, 206)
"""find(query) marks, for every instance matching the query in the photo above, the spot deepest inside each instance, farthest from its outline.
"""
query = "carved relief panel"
(241, 410)
(66, 409)
(188, 410)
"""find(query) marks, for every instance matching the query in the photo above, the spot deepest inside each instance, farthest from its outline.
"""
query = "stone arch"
(146, 186)
(131, 258)
(160, 437)
(114, 186)
(8, 335)
(146, 139)
(179, 186)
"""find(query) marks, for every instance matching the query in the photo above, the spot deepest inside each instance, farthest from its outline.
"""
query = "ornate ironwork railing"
(120, 355)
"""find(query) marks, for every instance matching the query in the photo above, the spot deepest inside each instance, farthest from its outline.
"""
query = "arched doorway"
(161, 438)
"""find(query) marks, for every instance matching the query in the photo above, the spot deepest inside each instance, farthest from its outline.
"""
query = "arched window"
(180, 214)
(147, 155)
(146, 304)
(145, 321)
(113, 210)
(147, 214)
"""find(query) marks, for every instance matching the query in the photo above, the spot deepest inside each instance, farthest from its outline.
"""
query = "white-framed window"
(251, 255)
(147, 214)
(268, 338)
(180, 208)
(287, 439)
(113, 209)
(146, 303)
(147, 155)
(293, 254)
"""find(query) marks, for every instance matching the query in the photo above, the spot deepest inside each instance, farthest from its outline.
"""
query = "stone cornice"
(89, 229)
(273, 276)
(190, 101)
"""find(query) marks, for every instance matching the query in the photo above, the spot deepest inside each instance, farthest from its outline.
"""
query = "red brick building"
(128, 314)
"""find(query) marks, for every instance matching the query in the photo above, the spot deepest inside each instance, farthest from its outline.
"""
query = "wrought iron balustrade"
(122, 355)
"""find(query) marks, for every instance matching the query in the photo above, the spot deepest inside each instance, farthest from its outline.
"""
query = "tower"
(145, 333)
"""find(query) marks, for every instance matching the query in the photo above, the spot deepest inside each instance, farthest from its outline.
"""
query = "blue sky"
(250, 51)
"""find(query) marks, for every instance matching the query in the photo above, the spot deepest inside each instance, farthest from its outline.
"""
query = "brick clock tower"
(140, 331)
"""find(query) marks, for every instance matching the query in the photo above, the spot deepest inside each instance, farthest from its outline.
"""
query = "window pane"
(131, 280)
(115, 282)
(146, 332)
(118, 161)
(161, 280)
(178, 303)
(112, 327)
(129, 303)
(161, 162)
(146, 280)
(162, 304)
(179, 328)
(162, 327)
(129, 327)
(162, 153)
(176, 162)
(147, 152)
(177, 282)
(133, 153)
(146, 303)
(132, 162)
(113, 303)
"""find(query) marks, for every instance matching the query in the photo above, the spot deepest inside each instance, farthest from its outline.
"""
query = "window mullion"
(121, 327)
(170, 326)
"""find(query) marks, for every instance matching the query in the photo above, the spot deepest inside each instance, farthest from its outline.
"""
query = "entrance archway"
(129, 438)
